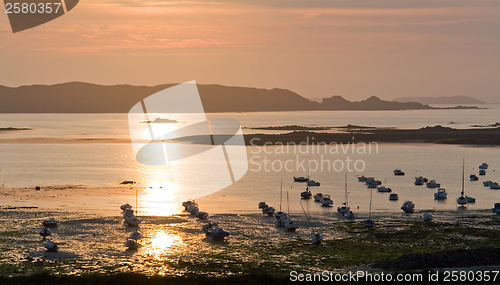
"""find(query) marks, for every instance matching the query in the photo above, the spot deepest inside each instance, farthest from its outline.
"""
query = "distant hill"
(441, 100)
(79, 97)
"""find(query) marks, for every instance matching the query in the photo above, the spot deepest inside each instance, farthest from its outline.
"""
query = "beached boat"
(369, 223)
(317, 238)
(398, 172)
(428, 217)
(474, 177)
(408, 207)
(50, 223)
(433, 184)
(201, 215)
(483, 166)
(192, 209)
(51, 246)
(268, 211)
(306, 194)
(45, 232)
(130, 218)
(262, 205)
(349, 215)
(440, 194)
(384, 189)
(135, 235)
(281, 222)
(125, 207)
(132, 244)
(212, 230)
(345, 209)
(317, 197)
(326, 201)
(186, 204)
(393, 197)
(496, 209)
(313, 183)
(288, 223)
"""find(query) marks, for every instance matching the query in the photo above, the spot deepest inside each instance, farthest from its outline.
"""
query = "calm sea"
(96, 165)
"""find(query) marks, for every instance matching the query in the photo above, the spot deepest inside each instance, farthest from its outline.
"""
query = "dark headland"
(79, 97)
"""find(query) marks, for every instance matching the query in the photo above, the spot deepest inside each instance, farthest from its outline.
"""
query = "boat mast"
(307, 217)
(288, 204)
(308, 170)
(346, 202)
(370, 212)
(281, 192)
(463, 176)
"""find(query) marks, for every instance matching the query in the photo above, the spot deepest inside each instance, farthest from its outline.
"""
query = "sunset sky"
(355, 49)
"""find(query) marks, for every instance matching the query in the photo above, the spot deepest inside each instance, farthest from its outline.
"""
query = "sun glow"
(161, 199)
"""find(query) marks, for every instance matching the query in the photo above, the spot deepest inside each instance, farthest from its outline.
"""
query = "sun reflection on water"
(160, 199)
(160, 244)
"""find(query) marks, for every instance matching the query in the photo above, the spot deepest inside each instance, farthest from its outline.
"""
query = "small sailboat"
(464, 200)
(262, 205)
(369, 223)
(398, 172)
(129, 217)
(51, 246)
(306, 194)
(45, 232)
(393, 197)
(316, 238)
(433, 184)
(440, 194)
(280, 215)
(384, 189)
(52, 223)
(289, 224)
(344, 209)
(212, 230)
(427, 217)
(408, 207)
(317, 197)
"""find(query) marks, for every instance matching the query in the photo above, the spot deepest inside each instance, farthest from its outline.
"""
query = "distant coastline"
(80, 97)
